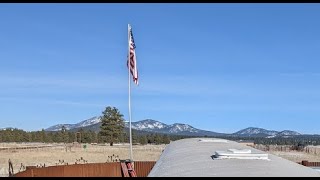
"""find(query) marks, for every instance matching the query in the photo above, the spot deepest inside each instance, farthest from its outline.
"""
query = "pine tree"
(30, 137)
(134, 136)
(123, 137)
(49, 138)
(150, 138)
(99, 137)
(80, 135)
(43, 136)
(87, 138)
(64, 134)
(157, 139)
(38, 136)
(166, 139)
(94, 137)
(143, 140)
(112, 125)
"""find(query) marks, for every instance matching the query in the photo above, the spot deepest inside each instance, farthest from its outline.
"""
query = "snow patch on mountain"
(254, 131)
(147, 124)
(85, 123)
(251, 131)
(175, 128)
(288, 133)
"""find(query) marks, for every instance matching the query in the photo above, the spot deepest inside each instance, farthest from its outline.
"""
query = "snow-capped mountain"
(58, 127)
(252, 131)
(147, 125)
(174, 128)
(153, 126)
(177, 128)
(85, 123)
(288, 133)
(88, 122)
(7, 128)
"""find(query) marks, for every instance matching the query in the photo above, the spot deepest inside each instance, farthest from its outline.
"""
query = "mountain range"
(153, 126)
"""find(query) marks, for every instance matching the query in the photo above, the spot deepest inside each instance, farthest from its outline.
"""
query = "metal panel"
(27, 173)
(143, 168)
(87, 170)
(309, 164)
(54, 171)
(75, 170)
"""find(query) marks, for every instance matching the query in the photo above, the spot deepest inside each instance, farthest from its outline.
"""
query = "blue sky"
(217, 67)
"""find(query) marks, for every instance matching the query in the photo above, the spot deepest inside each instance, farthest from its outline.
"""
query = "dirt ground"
(58, 154)
(309, 153)
(296, 156)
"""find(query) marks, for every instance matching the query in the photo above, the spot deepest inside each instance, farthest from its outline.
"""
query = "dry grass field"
(58, 154)
(55, 154)
(296, 156)
(309, 153)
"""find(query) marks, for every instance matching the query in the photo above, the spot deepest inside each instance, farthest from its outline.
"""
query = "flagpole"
(131, 157)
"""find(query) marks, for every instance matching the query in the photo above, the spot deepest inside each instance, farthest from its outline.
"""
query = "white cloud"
(59, 83)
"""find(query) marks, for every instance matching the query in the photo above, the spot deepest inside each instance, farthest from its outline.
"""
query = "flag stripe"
(132, 58)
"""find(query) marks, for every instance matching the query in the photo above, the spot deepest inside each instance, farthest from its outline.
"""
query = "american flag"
(132, 59)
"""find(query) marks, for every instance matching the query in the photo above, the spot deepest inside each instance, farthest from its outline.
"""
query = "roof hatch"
(239, 154)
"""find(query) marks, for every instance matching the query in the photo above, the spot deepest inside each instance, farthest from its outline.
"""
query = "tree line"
(301, 140)
(112, 131)
(89, 136)
(81, 136)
